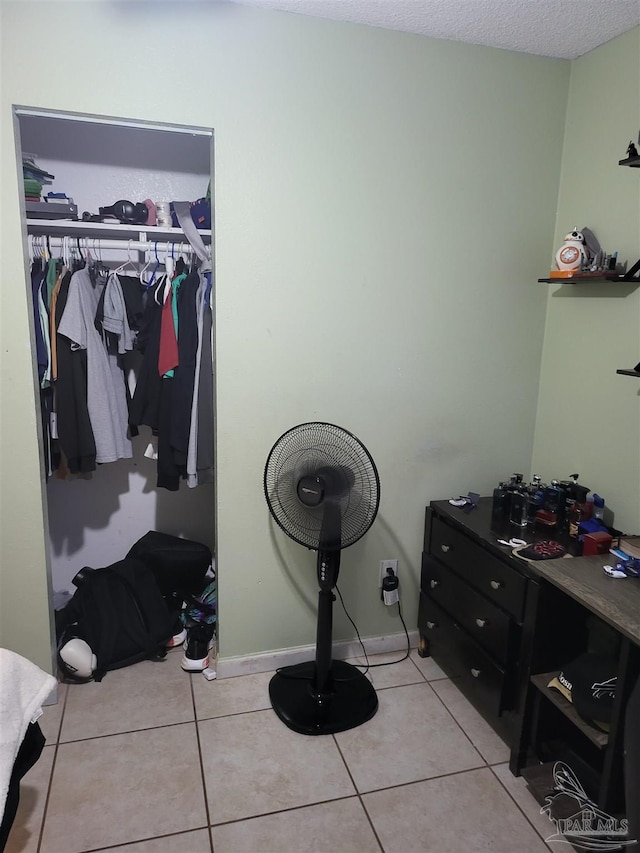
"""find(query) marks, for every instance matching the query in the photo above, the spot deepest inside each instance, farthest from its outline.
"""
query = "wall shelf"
(61, 227)
(630, 372)
(634, 162)
(590, 279)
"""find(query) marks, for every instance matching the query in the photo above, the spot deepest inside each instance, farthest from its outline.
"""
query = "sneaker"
(179, 634)
(177, 639)
(196, 649)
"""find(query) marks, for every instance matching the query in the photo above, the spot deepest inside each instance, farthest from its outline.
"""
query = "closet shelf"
(60, 227)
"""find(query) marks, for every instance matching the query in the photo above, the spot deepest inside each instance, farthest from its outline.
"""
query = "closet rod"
(99, 243)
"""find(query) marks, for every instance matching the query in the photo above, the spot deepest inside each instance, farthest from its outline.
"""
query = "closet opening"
(98, 195)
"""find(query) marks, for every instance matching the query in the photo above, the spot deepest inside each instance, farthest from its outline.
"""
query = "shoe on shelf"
(196, 648)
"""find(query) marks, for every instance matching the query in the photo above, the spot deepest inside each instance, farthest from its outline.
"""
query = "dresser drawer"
(495, 579)
(472, 670)
(480, 617)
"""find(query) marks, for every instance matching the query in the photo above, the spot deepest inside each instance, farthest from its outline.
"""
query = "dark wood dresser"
(502, 628)
(472, 607)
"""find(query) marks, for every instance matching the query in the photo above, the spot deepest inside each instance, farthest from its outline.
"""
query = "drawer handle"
(432, 625)
(496, 584)
(446, 548)
(434, 584)
(482, 623)
(475, 672)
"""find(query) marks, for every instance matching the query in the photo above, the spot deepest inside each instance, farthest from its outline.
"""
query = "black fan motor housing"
(310, 491)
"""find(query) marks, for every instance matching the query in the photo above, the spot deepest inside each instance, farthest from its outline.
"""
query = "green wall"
(589, 417)
(384, 203)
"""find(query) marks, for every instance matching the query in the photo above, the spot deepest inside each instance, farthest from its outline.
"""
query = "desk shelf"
(539, 779)
(597, 737)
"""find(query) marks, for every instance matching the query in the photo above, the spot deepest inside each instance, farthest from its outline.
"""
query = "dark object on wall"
(322, 489)
(120, 612)
(126, 212)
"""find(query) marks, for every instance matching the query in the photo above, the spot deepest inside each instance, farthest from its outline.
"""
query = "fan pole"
(328, 567)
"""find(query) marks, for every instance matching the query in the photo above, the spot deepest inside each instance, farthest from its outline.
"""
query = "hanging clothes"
(106, 396)
(200, 458)
(185, 372)
(87, 322)
(38, 281)
(145, 406)
(73, 424)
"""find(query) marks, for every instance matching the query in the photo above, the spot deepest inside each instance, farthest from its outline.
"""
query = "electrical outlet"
(384, 565)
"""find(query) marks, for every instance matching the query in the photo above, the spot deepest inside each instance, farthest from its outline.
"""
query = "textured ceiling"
(562, 28)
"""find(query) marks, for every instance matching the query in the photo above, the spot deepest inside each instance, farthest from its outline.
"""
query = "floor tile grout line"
(455, 719)
(526, 816)
(200, 759)
(353, 782)
(424, 779)
(144, 840)
(285, 810)
(234, 714)
(128, 732)
(53, 767)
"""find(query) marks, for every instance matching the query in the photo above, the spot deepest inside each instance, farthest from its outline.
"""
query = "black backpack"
(120, 612)
(178, 565)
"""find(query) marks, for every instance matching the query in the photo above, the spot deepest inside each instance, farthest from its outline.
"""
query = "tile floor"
(153, 760)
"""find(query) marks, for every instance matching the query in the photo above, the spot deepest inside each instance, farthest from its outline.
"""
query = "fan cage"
(303, 450)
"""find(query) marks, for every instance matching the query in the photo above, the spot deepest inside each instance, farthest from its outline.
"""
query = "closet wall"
(384, 205)
(94, 522)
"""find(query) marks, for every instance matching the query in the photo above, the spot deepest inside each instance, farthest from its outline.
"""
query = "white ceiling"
(562, 28)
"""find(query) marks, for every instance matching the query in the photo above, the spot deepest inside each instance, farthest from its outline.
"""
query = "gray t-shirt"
(106, 395)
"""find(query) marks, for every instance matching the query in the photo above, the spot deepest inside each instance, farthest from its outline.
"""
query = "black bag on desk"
(179, 565)
(120, 612)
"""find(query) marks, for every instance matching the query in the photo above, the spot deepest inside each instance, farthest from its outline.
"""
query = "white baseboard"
(270, 661)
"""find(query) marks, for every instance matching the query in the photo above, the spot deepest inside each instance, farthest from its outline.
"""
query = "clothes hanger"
(168, 262)
(128, 262)
(169, 265)
(157, 266)
(148, 262)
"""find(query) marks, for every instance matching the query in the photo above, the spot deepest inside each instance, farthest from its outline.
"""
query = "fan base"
(351, 702)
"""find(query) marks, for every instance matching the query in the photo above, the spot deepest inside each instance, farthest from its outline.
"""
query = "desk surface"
(615, 600)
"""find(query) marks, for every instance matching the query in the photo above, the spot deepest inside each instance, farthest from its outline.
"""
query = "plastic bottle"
(578, 511)
(536, 497)
(498, 509)
(598, 507)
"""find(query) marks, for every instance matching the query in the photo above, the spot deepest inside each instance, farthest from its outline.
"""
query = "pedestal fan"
(323, 490)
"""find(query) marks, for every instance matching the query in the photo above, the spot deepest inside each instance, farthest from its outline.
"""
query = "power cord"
(291, 673)
(368, 665)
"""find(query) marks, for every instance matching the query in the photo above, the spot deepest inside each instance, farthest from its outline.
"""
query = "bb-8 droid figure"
(572, 255)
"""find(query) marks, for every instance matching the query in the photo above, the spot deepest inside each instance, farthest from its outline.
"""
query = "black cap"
(593, 679)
